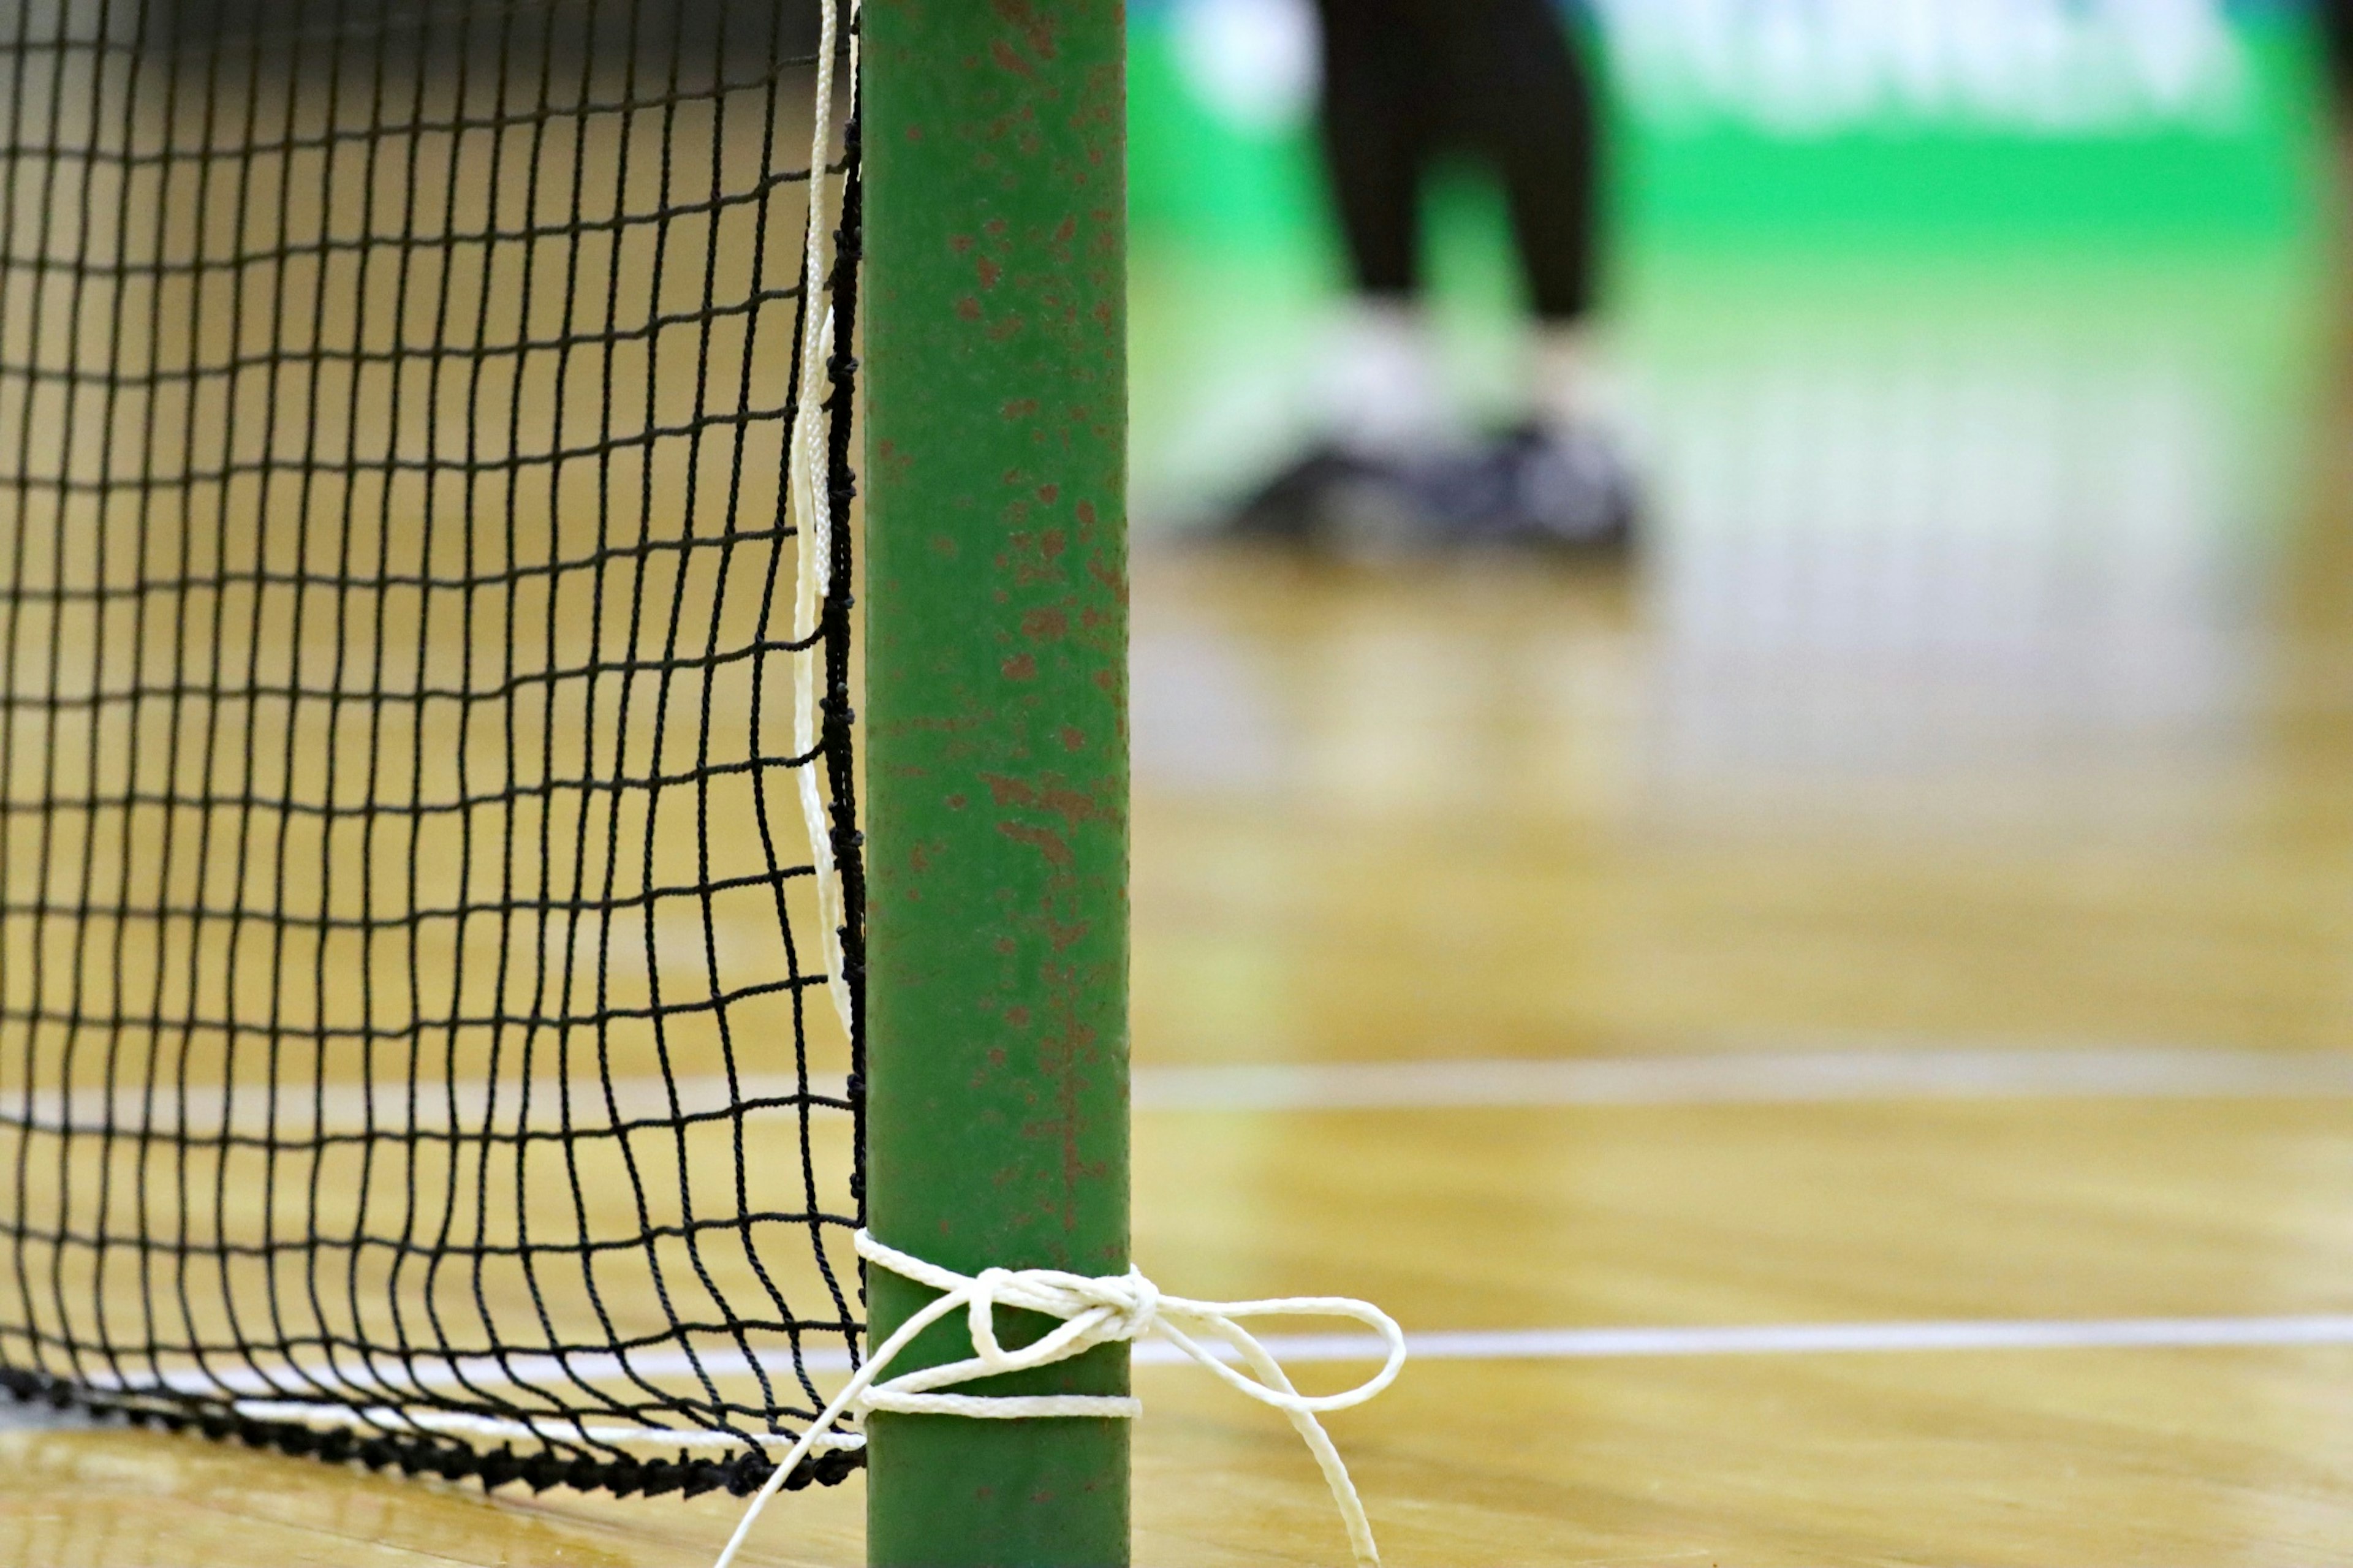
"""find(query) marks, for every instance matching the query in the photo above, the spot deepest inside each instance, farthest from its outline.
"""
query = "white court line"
(1753, 1079)
(1499, 1344)
(1821, 1339)
(1796, 1338)
(1768, 1339)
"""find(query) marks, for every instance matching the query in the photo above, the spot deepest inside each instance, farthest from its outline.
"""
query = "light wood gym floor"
(1920, 893)
(1964, 969)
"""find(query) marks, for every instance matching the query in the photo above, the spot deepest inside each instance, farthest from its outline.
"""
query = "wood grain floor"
(1390, 817)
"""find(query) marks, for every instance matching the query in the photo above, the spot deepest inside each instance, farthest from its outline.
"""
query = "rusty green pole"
(997, 748)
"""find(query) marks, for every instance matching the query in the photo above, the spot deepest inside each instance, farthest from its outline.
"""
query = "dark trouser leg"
(1497, 78)
(1379, 83)
(2336, 33)
(1521, 101)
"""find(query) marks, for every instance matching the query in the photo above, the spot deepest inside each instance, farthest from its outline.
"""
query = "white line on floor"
(1829, 1338)
(1803, 1339)
(1294, 1349)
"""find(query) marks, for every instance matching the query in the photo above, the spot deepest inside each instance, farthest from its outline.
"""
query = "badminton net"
(429, 898)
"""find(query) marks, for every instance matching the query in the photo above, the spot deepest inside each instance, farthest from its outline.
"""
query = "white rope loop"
(1094, 1311)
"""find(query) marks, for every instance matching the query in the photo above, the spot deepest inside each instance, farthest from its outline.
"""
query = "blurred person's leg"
(1382, 94)
(1523, 104)
(1403, 82)
(1521, 99)
(2336, 33)
(1379, 386)
(2336, 24)
(2337, 40)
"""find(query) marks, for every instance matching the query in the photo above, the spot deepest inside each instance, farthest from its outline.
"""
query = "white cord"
(1094, 1311)
(809, 501)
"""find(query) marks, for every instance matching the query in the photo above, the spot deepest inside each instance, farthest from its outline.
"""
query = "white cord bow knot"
(1094, 1311)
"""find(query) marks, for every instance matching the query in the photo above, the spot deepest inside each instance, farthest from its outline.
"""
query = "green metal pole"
(996, 744)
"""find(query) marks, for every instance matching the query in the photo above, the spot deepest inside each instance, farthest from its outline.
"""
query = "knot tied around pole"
(1093, 1309)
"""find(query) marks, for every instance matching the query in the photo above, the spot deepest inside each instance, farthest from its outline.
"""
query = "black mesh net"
(429, 904)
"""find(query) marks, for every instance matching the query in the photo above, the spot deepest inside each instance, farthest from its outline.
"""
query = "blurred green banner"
(1807, 120)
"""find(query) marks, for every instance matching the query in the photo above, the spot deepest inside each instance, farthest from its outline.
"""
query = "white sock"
(1565, 389)
(1379, 387)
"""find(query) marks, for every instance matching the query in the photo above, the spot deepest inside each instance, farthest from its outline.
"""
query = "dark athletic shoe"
(1562, 488)
(1338, 501)
(1535, 488)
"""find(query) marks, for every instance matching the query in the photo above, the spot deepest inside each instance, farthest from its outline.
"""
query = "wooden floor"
(1489, 815)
